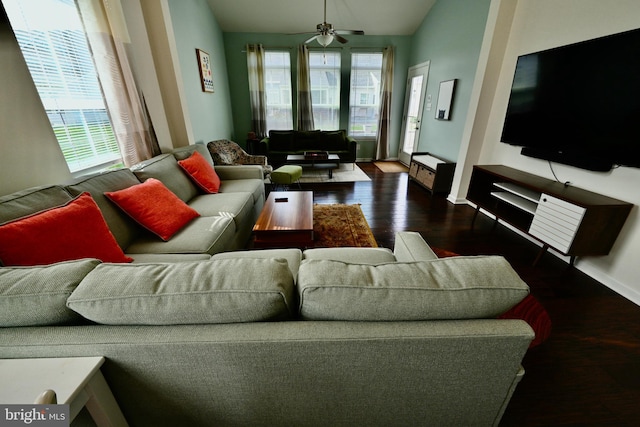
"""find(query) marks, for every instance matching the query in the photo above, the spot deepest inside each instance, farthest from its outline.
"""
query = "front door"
(414, 104)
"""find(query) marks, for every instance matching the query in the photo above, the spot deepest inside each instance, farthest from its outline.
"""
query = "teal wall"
(196, 27)
(237, 68)
(450, 37)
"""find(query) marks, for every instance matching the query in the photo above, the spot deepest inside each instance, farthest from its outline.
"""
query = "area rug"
(348, 172)
(340, 225)
(391, 167)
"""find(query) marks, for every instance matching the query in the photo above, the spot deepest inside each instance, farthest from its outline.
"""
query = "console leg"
(475, 215)
(542, 251)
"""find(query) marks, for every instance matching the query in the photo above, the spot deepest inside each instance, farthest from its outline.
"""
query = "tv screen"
(579, 104)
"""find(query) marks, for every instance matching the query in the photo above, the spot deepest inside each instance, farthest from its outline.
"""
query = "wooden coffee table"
(286, 221)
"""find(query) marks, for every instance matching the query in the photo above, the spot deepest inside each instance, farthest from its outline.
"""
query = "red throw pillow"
(73, 231)
(155, 207)
(529, 310)
(201, 172)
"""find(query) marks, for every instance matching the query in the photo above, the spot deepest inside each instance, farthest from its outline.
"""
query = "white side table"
(77, 382)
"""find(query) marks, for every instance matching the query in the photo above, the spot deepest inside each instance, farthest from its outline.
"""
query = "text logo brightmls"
(34, 415)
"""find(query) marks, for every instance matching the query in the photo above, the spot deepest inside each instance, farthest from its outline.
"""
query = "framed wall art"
(206, 75)
(445, 97)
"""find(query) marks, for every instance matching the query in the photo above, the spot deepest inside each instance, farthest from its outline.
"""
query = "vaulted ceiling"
(374, 17)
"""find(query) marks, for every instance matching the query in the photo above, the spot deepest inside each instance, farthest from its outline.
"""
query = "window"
(277, 70)
(54, 45)
(324, 69)
(364, 98)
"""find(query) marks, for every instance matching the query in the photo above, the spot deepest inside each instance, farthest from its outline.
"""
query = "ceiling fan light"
(325, 39)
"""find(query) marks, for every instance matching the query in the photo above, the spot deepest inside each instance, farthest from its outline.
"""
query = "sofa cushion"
(201, 173)
(335, 140)
(182, 153)
(36, 296)
(165, 168)
(73, 231)
(217, 291)
(121, 225)
(203, 235)
(352, 255)
(31, 200)
(281, 140)
(308, 140)
(291, 255)
(451, 288)
(155, 207)
(238, 206)
(251, 185)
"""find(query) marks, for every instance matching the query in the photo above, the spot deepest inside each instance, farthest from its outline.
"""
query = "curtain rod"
(364, 48)
(274, 47)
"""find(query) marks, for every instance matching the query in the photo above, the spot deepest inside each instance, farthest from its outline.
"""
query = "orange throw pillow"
(155, 207)
(201, 172)
(75, 230)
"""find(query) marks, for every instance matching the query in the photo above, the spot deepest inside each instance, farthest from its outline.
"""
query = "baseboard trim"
(457, 201)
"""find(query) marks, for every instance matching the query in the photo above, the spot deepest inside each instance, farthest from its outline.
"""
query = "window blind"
(54, 45)
(364, 94)
(324, 69)
(277, 69)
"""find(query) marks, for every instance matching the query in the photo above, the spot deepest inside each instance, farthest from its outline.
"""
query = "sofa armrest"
(255, 159)
(410, 246)
(227, 172)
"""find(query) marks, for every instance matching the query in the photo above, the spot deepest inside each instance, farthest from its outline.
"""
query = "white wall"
(544, 24)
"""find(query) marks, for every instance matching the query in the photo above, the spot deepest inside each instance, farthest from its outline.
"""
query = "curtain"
(107, 35)
(255, 69)
(305, 108)
(384, 116)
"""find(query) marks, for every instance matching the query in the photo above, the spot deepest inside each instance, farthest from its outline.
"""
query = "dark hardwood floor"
(588, 372)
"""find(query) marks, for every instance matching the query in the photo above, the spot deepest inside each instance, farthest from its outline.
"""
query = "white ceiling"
(374, 17)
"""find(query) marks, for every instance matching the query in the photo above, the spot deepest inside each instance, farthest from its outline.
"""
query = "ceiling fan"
(325, 34)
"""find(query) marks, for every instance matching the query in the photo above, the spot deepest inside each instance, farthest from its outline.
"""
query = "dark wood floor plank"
(588, 372)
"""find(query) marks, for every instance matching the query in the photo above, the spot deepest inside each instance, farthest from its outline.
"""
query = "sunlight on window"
(324, 68)
(364, 96)
(53, 43)
(277, 70)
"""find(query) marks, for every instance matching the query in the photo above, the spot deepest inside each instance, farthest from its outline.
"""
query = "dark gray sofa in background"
(281, 143)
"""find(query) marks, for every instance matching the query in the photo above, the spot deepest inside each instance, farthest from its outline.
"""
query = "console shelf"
(517, 201)
(573, 221)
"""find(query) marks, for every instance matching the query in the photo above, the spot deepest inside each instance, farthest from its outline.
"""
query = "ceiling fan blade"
(356, 32)
(340, 38)
(312, 39)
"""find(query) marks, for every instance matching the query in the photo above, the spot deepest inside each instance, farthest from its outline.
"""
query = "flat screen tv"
(579, 104)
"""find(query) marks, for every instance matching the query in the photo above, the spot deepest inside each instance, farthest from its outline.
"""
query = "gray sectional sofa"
(225, 222)
(324, 337)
